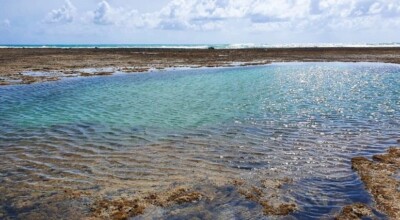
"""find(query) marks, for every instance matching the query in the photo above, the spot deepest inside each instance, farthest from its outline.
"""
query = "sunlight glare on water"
(144, 131)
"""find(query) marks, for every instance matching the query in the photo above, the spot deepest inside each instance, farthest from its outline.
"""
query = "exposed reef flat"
(266, 196)
(355, 211)
(90, 204)
(258, 194)
(380, 177)
(60, 63)
(123, 208)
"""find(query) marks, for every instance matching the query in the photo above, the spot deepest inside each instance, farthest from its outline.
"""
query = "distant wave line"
(198, 46)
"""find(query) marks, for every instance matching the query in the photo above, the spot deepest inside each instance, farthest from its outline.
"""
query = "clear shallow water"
(130, 133)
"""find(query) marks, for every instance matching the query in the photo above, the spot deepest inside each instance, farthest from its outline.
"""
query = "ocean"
(200, 46)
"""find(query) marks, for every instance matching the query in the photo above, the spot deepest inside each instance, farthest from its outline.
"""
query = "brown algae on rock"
(123, 208)
(102, 73)
(354, 211)
(379, 178)
(262, 195)
(126, 207)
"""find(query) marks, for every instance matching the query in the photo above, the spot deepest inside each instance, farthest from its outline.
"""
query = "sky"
(198, 21)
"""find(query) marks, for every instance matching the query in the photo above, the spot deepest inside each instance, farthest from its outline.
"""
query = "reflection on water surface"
(65, 145)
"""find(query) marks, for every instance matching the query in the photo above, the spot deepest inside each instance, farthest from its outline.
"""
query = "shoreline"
(51, 64)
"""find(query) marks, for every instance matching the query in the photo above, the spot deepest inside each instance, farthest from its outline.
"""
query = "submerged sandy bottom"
(260, 142)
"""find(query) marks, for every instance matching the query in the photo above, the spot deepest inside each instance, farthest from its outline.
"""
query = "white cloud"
(105, 14)
(213, 14)
(65, 14)
(268, 15)
(5, 23)
(355, 15)
(198, 14)
(268, 11)
(358, 8)
(195, 14)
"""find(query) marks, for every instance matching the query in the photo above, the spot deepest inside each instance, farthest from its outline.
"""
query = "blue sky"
(199, 21)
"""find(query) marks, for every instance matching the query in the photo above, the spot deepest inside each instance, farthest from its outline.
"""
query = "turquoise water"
(303, 120)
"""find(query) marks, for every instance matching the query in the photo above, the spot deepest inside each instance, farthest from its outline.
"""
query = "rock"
(258, 195)
(354, 211)
(123, 208)
(379, 178)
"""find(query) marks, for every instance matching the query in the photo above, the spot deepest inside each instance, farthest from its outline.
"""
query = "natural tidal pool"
(289, 129)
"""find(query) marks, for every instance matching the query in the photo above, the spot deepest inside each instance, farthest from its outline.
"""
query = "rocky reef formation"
(123, 208)
(381, 178)
(262, 194)
(265, 194)
(58, 63)
(355, 211)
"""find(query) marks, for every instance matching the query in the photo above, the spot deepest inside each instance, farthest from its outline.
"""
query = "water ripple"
(141, 132)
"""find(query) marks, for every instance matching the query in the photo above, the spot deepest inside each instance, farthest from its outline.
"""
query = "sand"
(17, 64)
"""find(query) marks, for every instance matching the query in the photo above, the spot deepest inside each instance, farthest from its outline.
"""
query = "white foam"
(206, 46)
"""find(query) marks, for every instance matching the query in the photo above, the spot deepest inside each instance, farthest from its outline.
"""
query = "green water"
(185, 99)
(168, 100)
(304, 119)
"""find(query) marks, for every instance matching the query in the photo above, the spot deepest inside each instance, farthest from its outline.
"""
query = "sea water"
(135, 132)
(201, 46)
